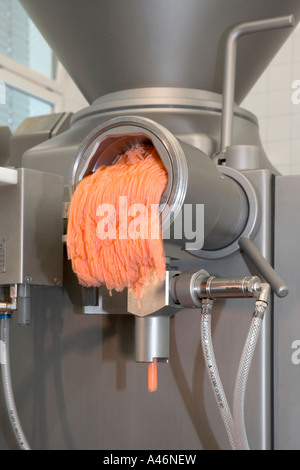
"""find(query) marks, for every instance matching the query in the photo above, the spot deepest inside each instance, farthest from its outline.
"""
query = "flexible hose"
(242, 377)
(7, 386)
(209, 357)
(235, 426)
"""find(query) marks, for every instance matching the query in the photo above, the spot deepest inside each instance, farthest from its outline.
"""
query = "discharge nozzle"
(152, 344)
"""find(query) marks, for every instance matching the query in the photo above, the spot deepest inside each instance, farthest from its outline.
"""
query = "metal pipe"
(264, 267)
(189, 288)
(231, 287)
(230, 67)
(24, 305)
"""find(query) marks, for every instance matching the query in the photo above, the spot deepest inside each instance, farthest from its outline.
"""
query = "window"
(20, 105)
(27, 68)
(21, 41)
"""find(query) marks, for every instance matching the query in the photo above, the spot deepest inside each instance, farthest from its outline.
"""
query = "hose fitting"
(263, 292)
(206, 306)
(7, 307)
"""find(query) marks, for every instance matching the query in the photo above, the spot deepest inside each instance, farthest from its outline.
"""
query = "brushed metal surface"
(110, 45)
(77, 385)
(286, 315)
(31, 226)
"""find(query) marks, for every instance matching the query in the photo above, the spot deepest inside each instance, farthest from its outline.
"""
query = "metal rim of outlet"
(164, 141)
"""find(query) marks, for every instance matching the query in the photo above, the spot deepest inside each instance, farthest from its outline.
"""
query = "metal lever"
(230, 67)
(264, 267)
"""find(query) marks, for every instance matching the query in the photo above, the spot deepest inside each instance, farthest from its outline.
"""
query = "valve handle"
(264, 267)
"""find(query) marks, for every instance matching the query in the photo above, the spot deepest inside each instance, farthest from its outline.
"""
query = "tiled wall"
(271, 101)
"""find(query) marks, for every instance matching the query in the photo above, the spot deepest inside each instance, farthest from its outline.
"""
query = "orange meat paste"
(111, 237)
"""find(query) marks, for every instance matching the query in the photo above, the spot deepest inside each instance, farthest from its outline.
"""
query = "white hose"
(235, 426)
(242, 377)
(7, 386)
(207, 346)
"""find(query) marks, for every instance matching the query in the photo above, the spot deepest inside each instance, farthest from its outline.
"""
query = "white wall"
(271, 101)
(72, 98)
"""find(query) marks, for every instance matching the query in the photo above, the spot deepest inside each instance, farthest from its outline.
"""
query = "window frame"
(28, 81)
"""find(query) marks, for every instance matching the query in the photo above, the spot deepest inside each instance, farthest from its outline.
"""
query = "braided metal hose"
(235, 426)
(210, 361)
(242, 377)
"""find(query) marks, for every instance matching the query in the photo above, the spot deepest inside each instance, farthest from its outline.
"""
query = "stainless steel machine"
(171, 73)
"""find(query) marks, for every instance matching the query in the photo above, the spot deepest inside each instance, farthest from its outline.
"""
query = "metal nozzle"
(152, 338)
(152, 344)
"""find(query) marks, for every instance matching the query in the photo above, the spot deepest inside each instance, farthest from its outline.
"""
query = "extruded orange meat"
(152, 375)
(110, 240)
